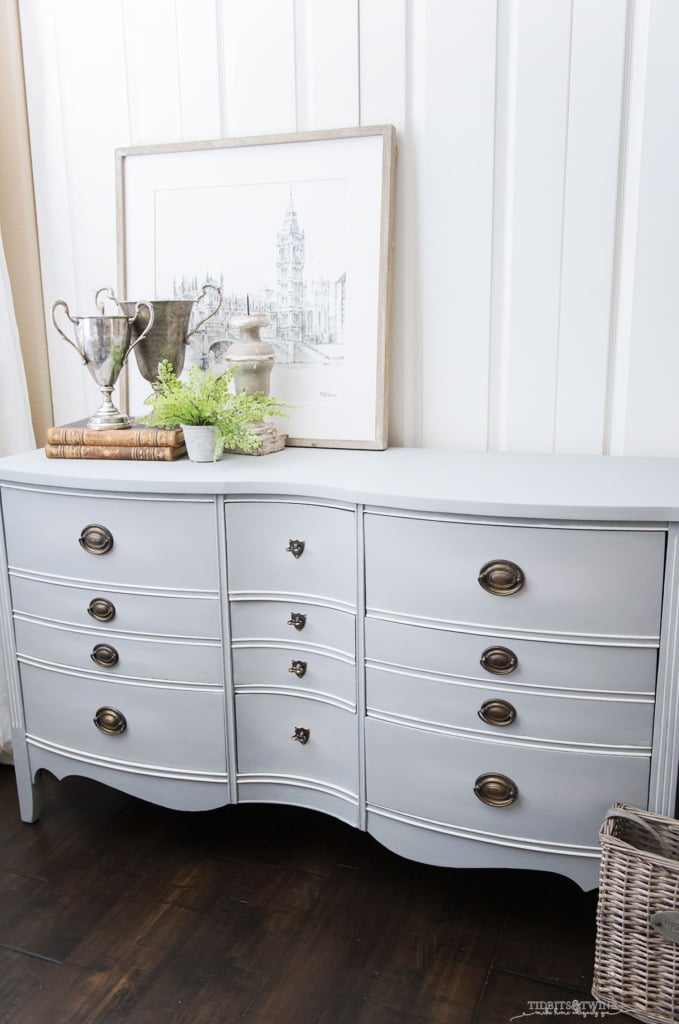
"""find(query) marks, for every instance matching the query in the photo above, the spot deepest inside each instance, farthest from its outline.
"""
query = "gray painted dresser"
(470, 656)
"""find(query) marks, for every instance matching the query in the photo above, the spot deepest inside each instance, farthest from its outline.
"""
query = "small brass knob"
(501, 577)
(296, 548)
(496, 790)
(101, 609)
(497, 712)
(298, 620)
(499, 660)
(110, 721)
(96, 539)
(301, 735)
(104, 655)
(298, 668)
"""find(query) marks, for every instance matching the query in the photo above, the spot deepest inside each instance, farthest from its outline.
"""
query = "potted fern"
(211, 415)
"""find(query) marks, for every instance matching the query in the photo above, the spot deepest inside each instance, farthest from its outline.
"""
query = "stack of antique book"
(138, 442)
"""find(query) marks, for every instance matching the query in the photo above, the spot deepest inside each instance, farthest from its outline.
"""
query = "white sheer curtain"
(16, 434)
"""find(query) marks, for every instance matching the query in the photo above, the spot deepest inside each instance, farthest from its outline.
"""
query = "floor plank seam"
(30, 953)
(538, 979)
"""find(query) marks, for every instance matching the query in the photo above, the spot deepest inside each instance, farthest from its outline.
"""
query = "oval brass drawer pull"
(501, 577)
(104, 655)
(301, 735)
(101, 609)
(110, 721)
(298, 620)
(296, 548)
(496, 790)
(497, 712)
(298, 668)
(499, 660)
(96, 539)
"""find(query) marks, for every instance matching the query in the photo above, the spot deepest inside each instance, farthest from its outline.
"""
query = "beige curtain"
(16, 431)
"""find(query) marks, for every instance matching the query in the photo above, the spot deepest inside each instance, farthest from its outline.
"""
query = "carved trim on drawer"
(120, 588)
(301, 781)
(504, 740)
(509, 686)
(543, 524)
(245, 644)
(67, 670)
(485, 629)
(295, 691)
(137, 768)
(496, 838)
(297, 596)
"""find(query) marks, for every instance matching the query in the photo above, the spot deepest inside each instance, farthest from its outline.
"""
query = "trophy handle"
(74, 320)
(203, 293)
(148, 327)
(107, 293)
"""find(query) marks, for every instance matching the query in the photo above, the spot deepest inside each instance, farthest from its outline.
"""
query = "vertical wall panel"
(454, 168)
(152, 70)
(529, 201)
(386, 37)
(258, 73)
(590, 211)
(651, 419)
(327, 42)
(198, 59)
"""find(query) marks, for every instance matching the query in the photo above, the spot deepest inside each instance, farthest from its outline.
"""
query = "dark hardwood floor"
(112, 910)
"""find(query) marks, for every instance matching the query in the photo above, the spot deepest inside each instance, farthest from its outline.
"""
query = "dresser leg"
(28, 791)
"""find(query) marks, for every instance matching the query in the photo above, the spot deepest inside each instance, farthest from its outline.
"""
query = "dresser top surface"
(615, 488)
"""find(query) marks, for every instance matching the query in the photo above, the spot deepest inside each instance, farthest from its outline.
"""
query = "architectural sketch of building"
(307, 317)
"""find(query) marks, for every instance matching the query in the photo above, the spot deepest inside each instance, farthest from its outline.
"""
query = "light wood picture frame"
(298, 226)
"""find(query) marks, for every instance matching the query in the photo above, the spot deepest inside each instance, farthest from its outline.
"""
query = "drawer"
(169, 728)
(509, 712)
(283, 668)
(486, 657)
(259, 534)
(319, 626)
(562, 795)
(265, 727)
(149, 539)
(587, 582)
(157, 614)
(161, 659)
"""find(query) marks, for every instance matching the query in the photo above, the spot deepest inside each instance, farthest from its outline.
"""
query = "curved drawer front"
(154, 543)
(267, 751)
(259, 534)
(503, 713)
(583, 582)
(512, 662)
(562, 795)
(169, 728)
(161, 615)
(116, 655)
(281, 668)
(294, 622)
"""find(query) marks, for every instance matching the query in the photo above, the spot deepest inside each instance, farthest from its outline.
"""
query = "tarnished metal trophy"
(104, 343)
(169, 334)
(253, 359)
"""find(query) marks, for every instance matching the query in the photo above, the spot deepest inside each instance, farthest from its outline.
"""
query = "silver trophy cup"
(104, 343)
(169, 335)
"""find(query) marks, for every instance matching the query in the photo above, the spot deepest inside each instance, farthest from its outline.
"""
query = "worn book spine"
(134, 438)
(139, 453)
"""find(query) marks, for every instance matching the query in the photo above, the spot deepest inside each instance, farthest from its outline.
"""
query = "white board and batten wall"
(536, 261)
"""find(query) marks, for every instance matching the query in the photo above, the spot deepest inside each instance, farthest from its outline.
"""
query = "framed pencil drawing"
(297, 227)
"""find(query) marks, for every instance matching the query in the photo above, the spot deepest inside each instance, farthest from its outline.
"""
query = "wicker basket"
(636, 965)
